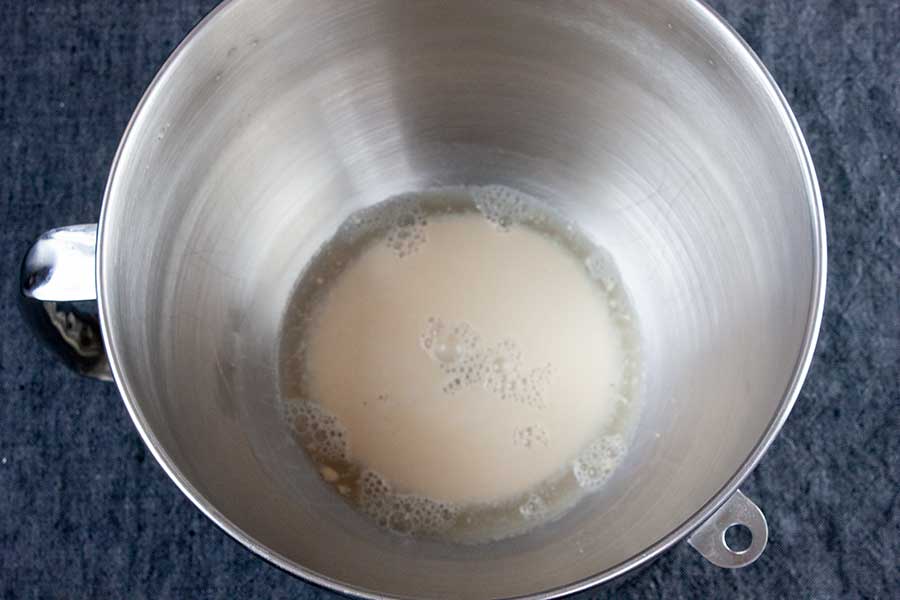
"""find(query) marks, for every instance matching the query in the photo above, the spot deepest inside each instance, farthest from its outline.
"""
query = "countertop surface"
(85, 511)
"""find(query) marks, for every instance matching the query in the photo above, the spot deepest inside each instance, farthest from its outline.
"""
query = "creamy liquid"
(460, 361)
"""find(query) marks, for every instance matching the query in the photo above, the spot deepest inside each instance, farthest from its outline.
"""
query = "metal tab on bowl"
(710, 538)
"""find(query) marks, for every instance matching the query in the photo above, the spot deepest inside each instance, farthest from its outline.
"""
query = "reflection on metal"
(57, 272)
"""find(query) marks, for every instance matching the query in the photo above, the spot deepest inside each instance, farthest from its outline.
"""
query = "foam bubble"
(596, 463)
(534, 507)
(450, 346)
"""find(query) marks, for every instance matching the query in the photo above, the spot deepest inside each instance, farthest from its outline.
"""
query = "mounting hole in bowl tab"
(738, 538)
(734, 536)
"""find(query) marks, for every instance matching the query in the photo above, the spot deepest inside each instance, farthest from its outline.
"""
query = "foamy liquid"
(459, 372)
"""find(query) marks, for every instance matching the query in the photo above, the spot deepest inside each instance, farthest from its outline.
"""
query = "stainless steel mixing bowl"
(650, 123)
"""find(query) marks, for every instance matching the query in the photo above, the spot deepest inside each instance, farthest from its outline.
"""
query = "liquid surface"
(460, 363)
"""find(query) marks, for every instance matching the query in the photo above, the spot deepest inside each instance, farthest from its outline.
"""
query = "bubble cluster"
(405, 514)
(510, 381)
(400, 223)
(462, 355)
(602, 269)
(531, 436)
(407, 232)
(534, 507)
(597, 462)
(502, 206)
(325, 439)
(319, 432)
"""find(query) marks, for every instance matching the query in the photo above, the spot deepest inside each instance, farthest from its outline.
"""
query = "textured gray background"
(86, 512)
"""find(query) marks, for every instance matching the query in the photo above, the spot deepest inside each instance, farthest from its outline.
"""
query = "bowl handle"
(57, 281)
(709, 538)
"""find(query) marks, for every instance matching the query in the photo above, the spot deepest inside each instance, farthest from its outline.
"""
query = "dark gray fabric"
(86, 512)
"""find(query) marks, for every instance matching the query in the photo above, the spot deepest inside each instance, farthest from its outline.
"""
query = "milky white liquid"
(460, 369)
